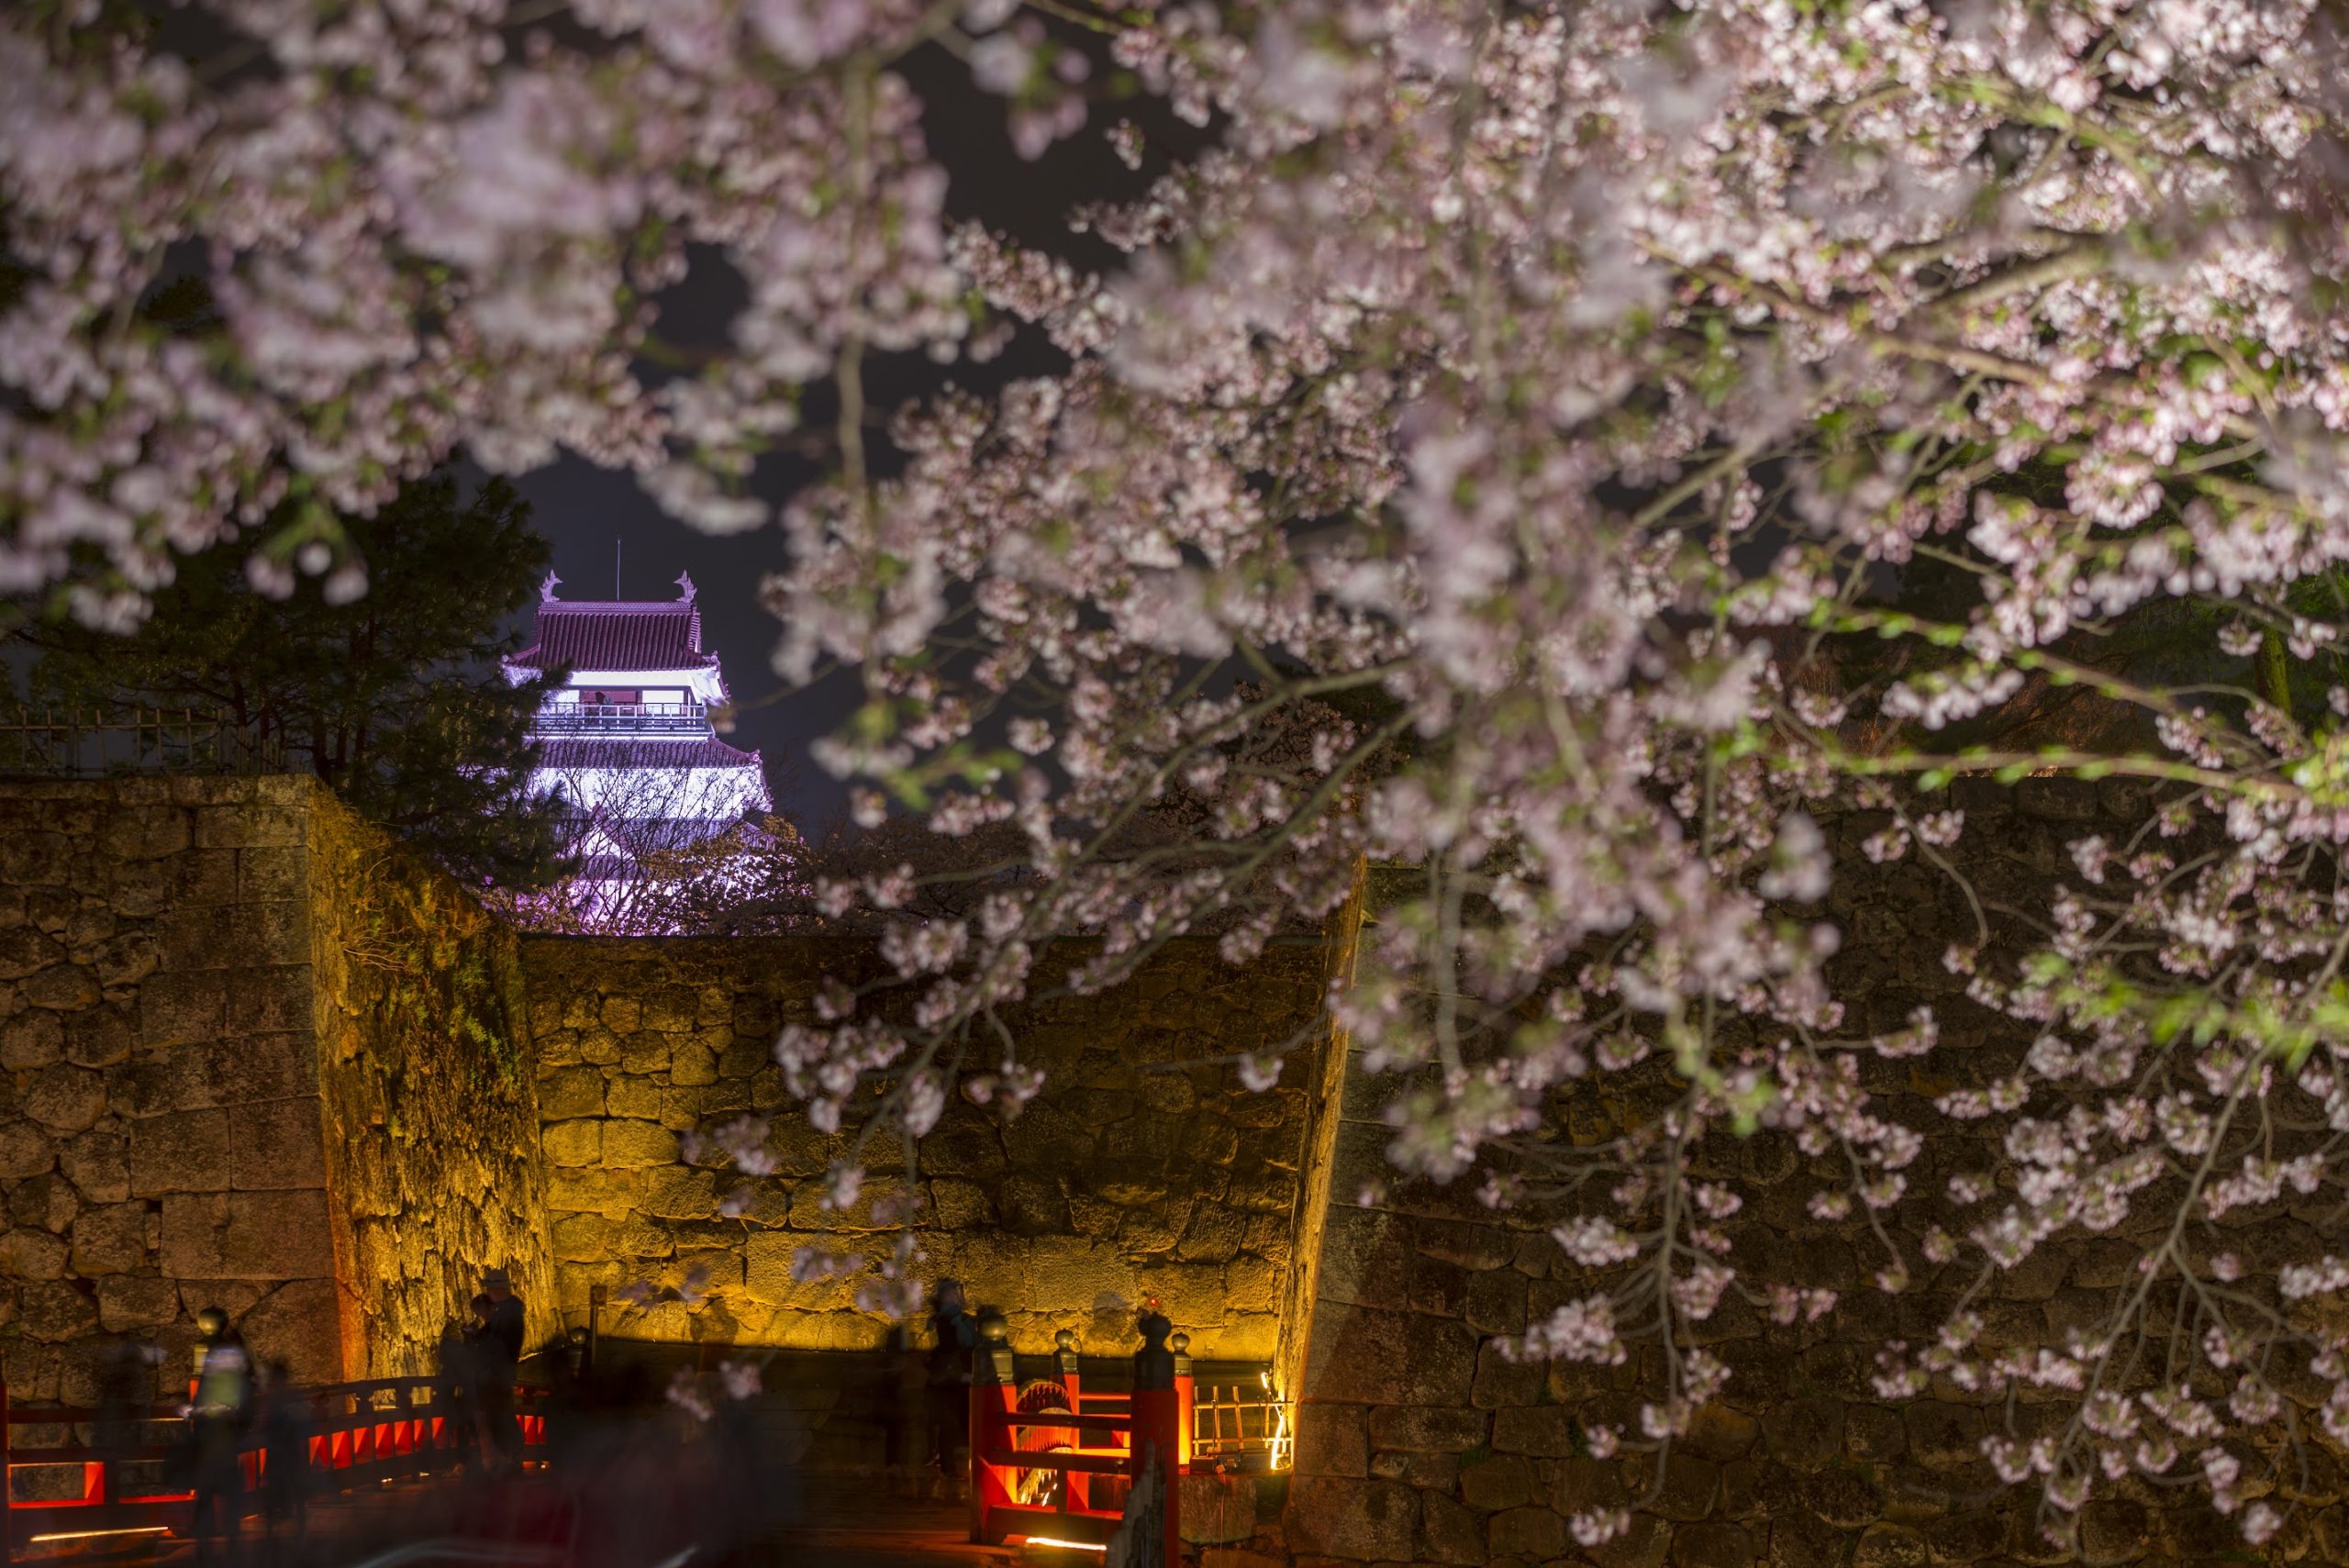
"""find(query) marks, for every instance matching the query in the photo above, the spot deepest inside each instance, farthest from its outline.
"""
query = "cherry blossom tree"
(1553, 454)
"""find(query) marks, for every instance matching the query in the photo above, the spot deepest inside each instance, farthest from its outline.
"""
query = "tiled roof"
(708, 752)
(616, 635)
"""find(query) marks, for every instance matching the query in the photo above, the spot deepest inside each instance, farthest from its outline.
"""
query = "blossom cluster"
(1472, 486)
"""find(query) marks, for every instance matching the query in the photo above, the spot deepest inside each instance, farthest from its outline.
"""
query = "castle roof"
(616, 634)
(565, 753)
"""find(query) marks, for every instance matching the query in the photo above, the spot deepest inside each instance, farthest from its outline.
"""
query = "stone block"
(1889, 1546)
(591, 1188)
(248, 825)
(1251, 1284)
(56, 1310)
(635, 1099)
(185, 1151)
(1527, 1532)
(1331, 1439)
(586, 1238)
(111, 1239)
(99, 1036)
(25, 951)
(1502, 1382)
(32, 1039)
(1033, 1205)
(26, 1149)
(1429, 1428)
(574, 1143)
(1496, 1302)
(1714, 1545)
(673, 1191)
(191, 1235)
(38, 860)
(1549, 1430)
(1364, 1521)
(64, 988)
(267, 998)
(299, 1324)
(1643, 1545)
(1803, 1433)
(1844, 1498)
(277, 1236)
(274, 1066)
(635, 1144)
(643, 1054)
(2113, 1531)
(97, 1163)
(691, 1063)
(1365, 1357)
(29, 1254)
(1966, 1538)
(960, 1205)
(1449, 1532)
(1506, 1481)
(571, 1092)
(1943, 1436)
(1691, 1488)
(182, 1010)
(48, 1201)
(131, 1303)
(1365, 1261)
(265, 871)
(276, 1145)
(192, 879)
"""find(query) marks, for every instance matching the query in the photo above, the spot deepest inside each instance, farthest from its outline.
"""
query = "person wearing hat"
(499, 1352)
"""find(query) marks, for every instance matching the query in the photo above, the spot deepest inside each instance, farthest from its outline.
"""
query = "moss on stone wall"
(1144, 1169)
(427, 1091)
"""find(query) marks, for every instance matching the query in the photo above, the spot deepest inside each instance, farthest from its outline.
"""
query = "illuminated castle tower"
(628, 739)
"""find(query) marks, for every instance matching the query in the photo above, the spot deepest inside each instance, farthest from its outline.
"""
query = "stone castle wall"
(161, 1149)
(238, 1026)
(1123, 1180)
(420, 1028)
(1419, 1442)
(230, 1017)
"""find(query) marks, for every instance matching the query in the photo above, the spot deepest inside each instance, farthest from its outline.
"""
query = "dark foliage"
(396, 698)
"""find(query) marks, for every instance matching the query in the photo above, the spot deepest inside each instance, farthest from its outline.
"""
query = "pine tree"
(394, 698)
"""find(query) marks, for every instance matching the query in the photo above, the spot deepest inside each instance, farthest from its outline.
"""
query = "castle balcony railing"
(624, 718)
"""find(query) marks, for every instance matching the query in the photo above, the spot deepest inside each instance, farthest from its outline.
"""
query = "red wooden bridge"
(357, 1434)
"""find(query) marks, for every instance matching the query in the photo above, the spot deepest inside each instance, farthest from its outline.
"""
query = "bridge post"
(1076, 1488)
(1184, 1397)
(994, 1393)
(1157, 1418)
(8, 1489)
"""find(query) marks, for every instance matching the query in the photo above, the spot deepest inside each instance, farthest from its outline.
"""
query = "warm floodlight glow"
(1071, 1545)
(1280, 1441)
(96, 1534)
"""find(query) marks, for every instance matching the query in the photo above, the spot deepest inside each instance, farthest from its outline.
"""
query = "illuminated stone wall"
(1118, 1184)
(236, 1027)
(423, 1070)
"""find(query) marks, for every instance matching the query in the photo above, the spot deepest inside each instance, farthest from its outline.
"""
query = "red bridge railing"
(358, 1434)
(1052, 1463)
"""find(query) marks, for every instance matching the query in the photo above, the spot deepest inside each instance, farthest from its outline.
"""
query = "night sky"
(583, 509)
